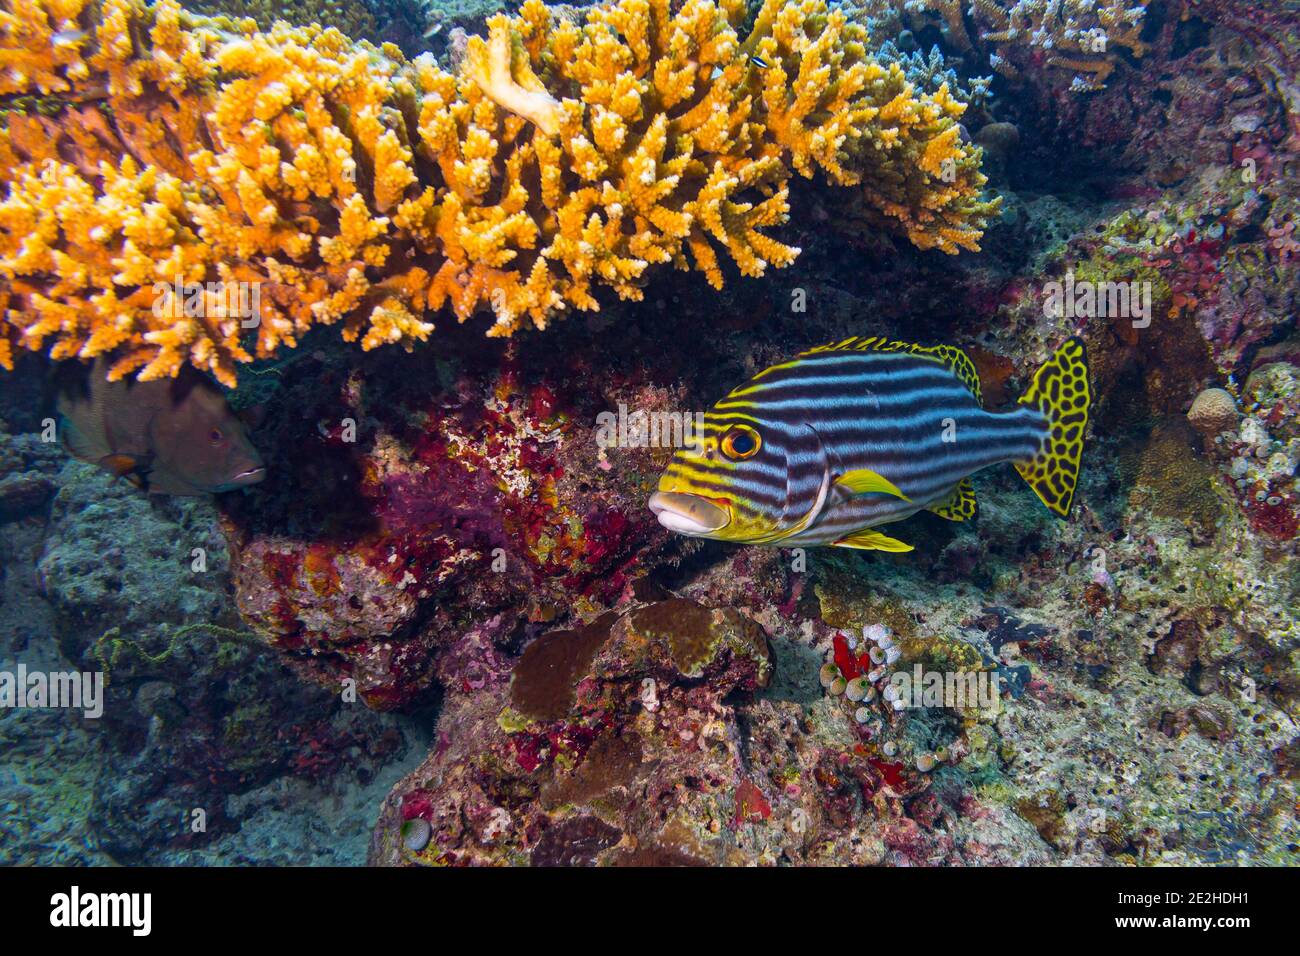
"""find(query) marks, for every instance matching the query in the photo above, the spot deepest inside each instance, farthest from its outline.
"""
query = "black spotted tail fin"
(1062, 392)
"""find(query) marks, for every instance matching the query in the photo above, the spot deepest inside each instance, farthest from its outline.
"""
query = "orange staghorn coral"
(144, 149)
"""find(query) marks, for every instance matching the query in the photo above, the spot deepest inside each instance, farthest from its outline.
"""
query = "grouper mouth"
(688, 514)
(249, 476)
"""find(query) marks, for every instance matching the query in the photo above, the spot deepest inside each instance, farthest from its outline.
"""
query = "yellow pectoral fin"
(864, 481)
(872, 541)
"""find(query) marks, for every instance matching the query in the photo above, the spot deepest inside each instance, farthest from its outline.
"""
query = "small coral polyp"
(142, 145)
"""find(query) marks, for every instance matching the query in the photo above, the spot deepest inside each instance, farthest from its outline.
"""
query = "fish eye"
(741, 442)
(215, 436)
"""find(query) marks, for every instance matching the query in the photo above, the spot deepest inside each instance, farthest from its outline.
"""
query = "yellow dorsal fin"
(957, 361)
(864, 481)
(960, 505)
(867, 540)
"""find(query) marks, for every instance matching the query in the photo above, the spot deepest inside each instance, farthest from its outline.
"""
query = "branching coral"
(353, 17)
(929, 73)
(887, 19)
(146, 146)
(1077, 35)
(407, 23)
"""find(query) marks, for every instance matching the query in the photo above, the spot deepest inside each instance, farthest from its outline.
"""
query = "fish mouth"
(249, 476)
(688, 514)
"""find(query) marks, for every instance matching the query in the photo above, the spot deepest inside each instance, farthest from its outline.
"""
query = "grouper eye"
(215, 436)
(741, 442)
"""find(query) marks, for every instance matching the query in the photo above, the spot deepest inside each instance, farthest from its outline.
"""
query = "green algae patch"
(511, 721)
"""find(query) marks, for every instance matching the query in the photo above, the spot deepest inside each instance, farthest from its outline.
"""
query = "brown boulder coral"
(1214, 410)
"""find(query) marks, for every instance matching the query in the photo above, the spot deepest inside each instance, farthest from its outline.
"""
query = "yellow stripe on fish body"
(867, 431)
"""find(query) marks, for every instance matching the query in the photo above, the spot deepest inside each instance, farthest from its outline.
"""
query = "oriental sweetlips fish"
(822, 449)
(174, 436)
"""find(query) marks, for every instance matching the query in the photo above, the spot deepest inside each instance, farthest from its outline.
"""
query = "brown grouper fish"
(175, 436)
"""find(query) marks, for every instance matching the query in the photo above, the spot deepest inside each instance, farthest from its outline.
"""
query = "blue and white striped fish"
(822, 449)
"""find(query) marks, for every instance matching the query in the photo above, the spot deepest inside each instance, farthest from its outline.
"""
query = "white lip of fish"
(251, 475)
(688, 514)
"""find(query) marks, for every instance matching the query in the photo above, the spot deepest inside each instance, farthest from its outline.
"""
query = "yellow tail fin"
(1062, 392)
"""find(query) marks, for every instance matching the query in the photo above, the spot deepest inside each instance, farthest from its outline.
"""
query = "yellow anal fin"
(961, 504)
(872, 541)
(865, 481)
